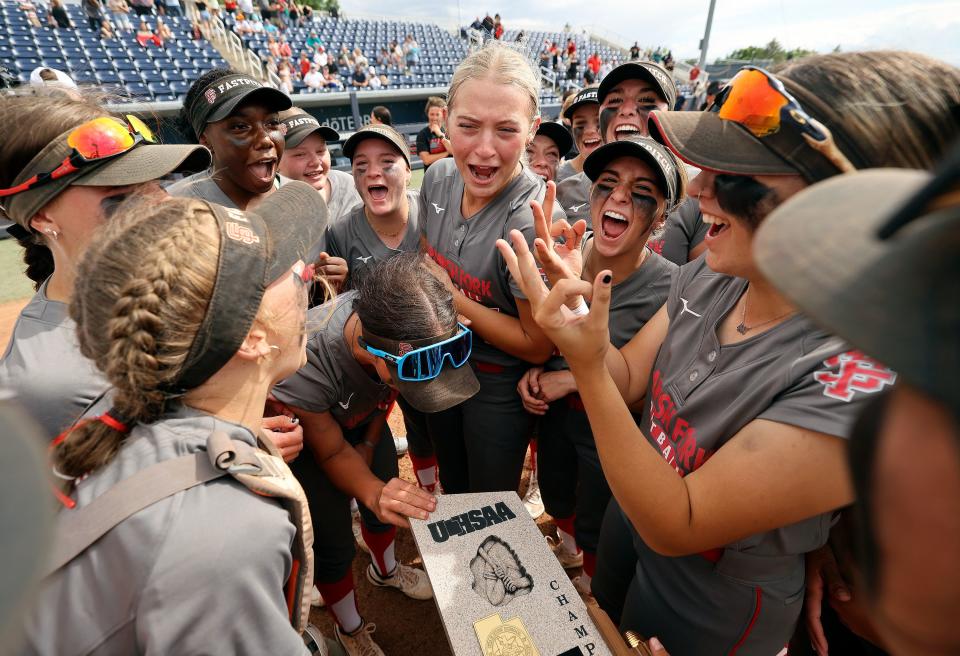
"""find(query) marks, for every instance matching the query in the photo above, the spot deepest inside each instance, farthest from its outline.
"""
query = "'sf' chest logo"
(852, 372)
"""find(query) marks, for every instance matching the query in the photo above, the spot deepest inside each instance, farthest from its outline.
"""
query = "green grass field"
(16, 285)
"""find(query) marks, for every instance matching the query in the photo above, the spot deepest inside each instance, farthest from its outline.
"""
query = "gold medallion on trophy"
(499, 638)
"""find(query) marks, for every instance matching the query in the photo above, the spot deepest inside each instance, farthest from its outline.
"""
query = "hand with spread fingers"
(582, 338)
(399, 499)
(559, 260)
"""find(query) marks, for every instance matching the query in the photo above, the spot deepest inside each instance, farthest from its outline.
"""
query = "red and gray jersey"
(700, 395)
(43, 366)
(356, 242)
(634, 301)
(573, 195)
(332, 380)
(466, 248)
(683, 231)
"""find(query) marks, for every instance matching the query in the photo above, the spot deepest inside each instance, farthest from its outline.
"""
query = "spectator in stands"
(106, 31)
(432, 142)
(306, 14)
(487, 25)
(571, 48)
(162, 31)
(238, 119)
(304, 64)
(359, 77)
(285, 73)
(58, 16)
(384, 81)
(314, 41)
(359, 59)
(246, 6)
(605, 68)
(145, 35)
(375, 82)
(634, 51)
(230, 6)
(555, 55)
(284, 46)
(195, 32)
(256, 24)
(94, 14)
(573, 68)
(411, 52)
(273, 47)
(594, 63)
(270, 28)
(170, 8)
(396, 54)
(383, 58)
(344, 60)
(321, 59)
(142, 7)
(381, 116)
(497, 27)
(119, 14)
(545, 55)
(331, 79)
(293, 14)
(314, 78)
(30, 10)
(201, 6)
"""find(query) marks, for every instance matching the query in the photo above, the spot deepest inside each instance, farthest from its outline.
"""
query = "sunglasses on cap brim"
(426, 362)
(756, 100)
(92, 142)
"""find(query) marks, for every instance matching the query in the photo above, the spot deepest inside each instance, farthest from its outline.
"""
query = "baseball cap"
(384, 132)
(142, 163)
(662, 161)
(223, 95)
(875, 258)
(63, 80)
(649, 71)
(587, 96)
(452, 386)
(558, 134)
(298, 125)
(256, 248)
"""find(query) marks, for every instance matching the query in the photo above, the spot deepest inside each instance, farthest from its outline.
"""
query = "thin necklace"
(743, 328)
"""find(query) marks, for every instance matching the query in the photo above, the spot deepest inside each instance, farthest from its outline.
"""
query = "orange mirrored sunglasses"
(759, 102)
(93, 141)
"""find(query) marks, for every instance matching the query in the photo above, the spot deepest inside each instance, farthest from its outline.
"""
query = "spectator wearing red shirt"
(571, 48)
(284, 48)
(304, 64)
(594, 63)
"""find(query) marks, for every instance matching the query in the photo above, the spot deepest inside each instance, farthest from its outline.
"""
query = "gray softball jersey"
(43, 366)
(700, 395)
(634, 301)
(354, 239)
(172, 578)
(683, 231)
(573, 195)
(564, 171)
(202, 186)
(343, 195)
(332, 380)
(466, 248)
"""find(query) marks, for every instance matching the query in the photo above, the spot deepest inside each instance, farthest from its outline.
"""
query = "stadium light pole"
(705, 42)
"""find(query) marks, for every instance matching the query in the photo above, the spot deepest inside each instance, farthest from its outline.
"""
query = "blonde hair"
(502, 64)
(141, 293)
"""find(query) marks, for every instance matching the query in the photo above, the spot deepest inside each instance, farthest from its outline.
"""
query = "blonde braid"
(141, 295)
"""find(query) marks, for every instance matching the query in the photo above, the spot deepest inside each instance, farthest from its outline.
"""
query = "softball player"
(636, 182)
(745, 399)
(548, 148)
(467, 202)
(626, 96)
(385, 225)
(204, 304)
(584, 118)
(342, 397)
(237, 118)
(107, 160)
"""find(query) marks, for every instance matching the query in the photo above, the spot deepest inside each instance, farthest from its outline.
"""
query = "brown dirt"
(404, 626)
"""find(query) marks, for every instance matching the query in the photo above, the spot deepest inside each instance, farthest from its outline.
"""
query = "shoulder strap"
(78, 529)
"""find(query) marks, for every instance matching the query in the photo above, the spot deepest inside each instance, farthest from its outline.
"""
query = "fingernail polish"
(655, 644)
(607, 278)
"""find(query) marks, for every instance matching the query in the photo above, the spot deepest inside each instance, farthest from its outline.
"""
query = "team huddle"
(221, 329)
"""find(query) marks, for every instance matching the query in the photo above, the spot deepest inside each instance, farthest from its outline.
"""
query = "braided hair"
(141, 294)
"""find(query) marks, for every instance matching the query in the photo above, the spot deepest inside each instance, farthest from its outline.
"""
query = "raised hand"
(583, 339)
(559, 260)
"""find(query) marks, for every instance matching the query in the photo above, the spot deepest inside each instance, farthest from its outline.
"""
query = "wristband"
(582, 309)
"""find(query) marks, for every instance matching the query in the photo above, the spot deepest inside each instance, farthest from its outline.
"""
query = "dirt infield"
(404, 626)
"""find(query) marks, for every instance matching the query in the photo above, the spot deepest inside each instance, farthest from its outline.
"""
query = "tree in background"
(772, 51)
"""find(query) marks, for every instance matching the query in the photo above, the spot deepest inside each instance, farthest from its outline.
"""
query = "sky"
(928, 26)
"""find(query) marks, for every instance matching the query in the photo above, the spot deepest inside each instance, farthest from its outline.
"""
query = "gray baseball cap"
(874, 257)
(222, 96)
(663, 162)
(646, 70)
(297, 125)
(142, 163)
(384, 132)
